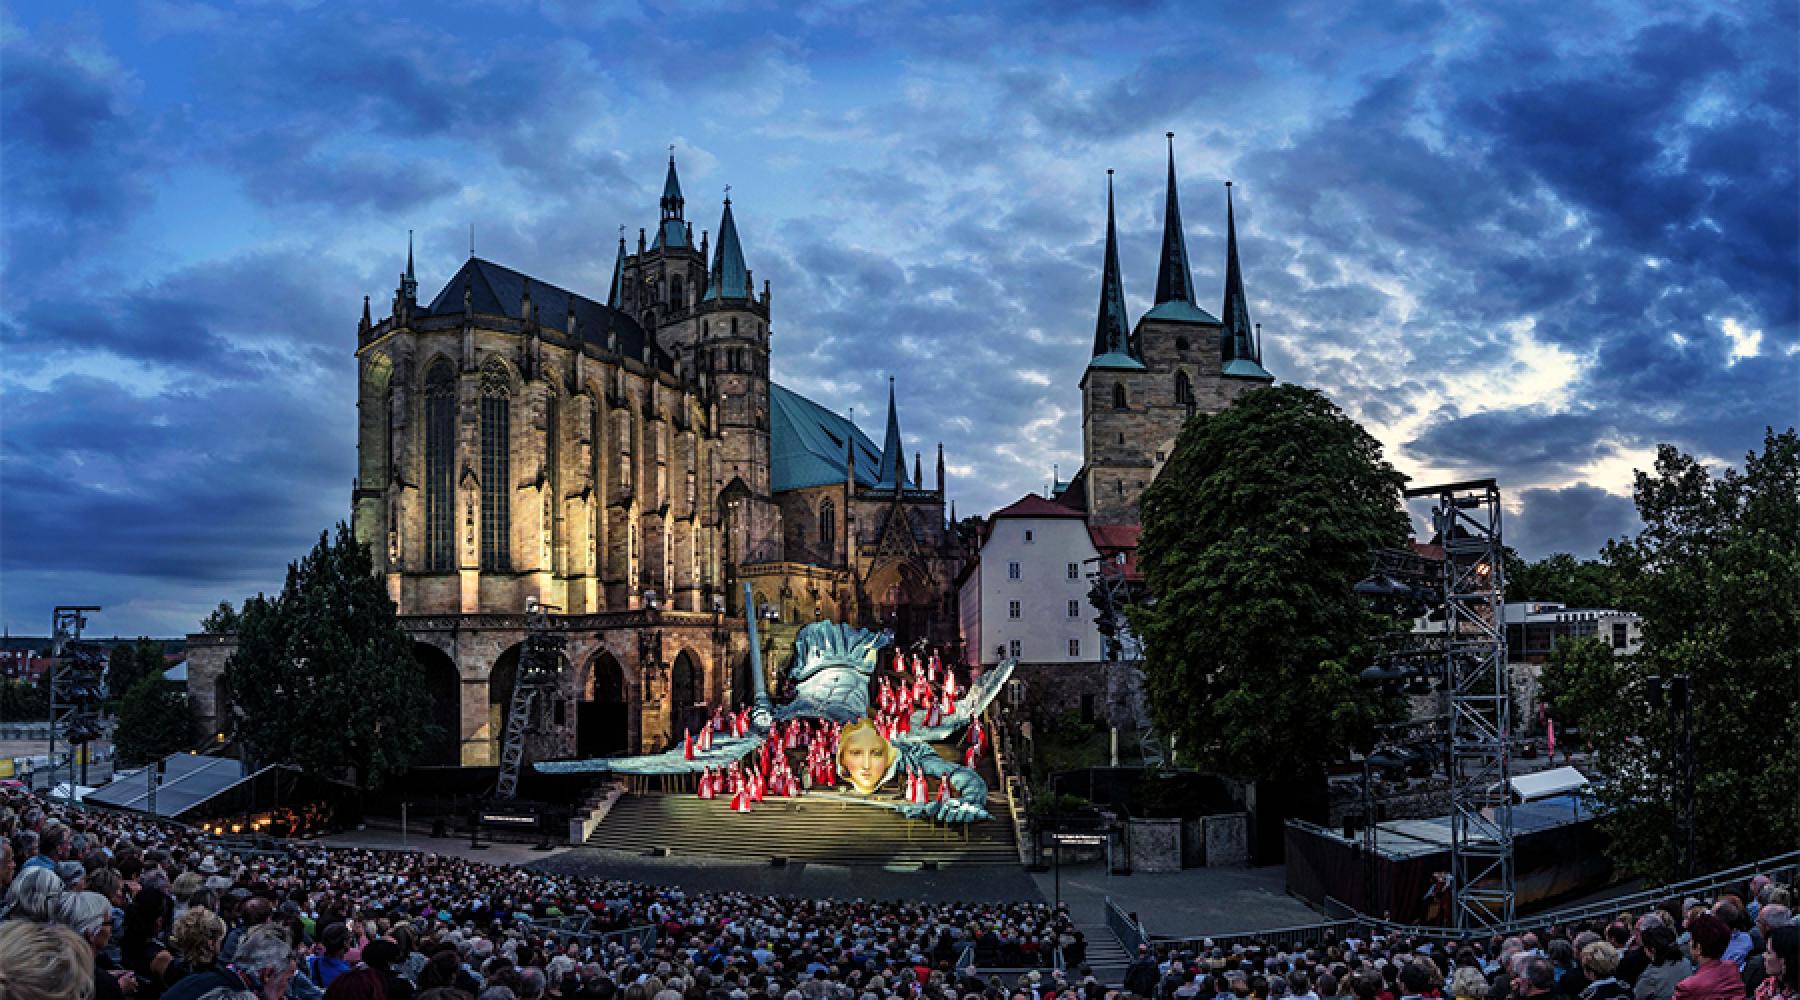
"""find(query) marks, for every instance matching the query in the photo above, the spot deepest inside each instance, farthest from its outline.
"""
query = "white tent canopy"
(1544, 784)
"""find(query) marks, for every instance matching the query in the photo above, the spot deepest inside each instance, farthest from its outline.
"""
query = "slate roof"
(1180, 311)
(497, 290)
(806, 444)
(1113, 344)
(730, 278)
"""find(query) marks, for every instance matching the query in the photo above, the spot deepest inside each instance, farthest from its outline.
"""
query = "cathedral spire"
(1112, 337)
(615, 293)
(1238, 341)
(673, 230)
(671, 196)
(1174, 278)
(730, 279)
(409, 282)
(893, 456)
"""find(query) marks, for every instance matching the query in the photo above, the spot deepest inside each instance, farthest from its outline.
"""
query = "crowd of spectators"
(1719, 949)
(107, 905)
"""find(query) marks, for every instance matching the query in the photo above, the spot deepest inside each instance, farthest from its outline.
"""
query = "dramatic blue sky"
(1529, 240)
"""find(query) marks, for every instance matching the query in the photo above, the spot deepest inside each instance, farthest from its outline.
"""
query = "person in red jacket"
(1716, 979)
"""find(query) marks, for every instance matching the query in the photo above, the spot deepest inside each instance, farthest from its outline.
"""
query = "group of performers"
(919, 690)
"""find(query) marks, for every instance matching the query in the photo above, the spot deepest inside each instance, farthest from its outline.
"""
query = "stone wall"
(1155, 844)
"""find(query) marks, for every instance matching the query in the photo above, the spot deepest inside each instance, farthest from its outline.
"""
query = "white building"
(1026, 593)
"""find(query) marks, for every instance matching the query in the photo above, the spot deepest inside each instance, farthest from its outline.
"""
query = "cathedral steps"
(812, 828)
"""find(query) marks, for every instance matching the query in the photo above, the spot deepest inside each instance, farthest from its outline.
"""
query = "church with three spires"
(1143, 382)
(626, 460)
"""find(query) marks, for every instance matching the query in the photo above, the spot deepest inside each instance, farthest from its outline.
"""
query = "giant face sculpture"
(865, 757)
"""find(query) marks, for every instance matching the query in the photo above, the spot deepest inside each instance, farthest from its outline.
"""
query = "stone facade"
(611, 457)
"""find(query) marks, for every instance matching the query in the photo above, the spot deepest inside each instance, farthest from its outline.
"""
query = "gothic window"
(675, 291)
(622, 444)
(496, 467)
(1118, 395)
(734, 326)
(440, 456)
(827, 527)
(1184, 390)
(705, 329)
(1181, 343)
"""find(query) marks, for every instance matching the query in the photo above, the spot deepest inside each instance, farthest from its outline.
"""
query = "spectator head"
(266, 952)
(1327, 986)
(90, 914)
(380, 953)
(1732, 912)
(1561, 953)
(1710, 935)
(1468, 984)
(358, 984)
(335, 939)
(1773, 915)
(1539, 975)
(53, 843)
(1659, 944)
(1599, 959)
(8, 864)
(35, 894)
(41, 961)
(1781, 957)
(197, 936)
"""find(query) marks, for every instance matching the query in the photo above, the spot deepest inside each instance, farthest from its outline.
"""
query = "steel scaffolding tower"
(1466, 520)
(540, 668)
(76, 671)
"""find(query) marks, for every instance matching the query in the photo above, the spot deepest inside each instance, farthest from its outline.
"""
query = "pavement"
(1189, 903)
(811, 880)
(453, 847)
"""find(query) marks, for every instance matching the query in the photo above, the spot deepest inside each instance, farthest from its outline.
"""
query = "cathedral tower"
(732, 349)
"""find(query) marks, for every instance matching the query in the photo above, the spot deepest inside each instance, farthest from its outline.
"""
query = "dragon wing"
(724, 750)
(973, 702)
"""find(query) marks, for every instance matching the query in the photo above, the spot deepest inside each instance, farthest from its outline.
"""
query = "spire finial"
(727, 194)
(1174, 277)
(1111, 334)
(409, 285)
(1239, 341)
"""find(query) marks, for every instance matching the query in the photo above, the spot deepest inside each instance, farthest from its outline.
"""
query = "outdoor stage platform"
(819, 827)
(1558, 852)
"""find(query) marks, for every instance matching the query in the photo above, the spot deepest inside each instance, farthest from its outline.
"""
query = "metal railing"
(1783, 868)
(1130, 932)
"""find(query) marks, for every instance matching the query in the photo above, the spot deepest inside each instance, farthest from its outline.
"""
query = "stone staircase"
(813, 828)
(1105, 956)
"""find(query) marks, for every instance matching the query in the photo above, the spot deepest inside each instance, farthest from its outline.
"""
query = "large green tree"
(1715, 572)
(1560, 577)
(153, 722)
(323, 677)
(130, 663)
(1255, 533)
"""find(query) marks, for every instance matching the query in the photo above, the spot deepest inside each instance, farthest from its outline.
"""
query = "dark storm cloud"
(77, 150)
(1576, 519)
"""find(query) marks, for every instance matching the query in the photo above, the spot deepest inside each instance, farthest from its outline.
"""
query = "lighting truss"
(1466, 520)
(539, 670)
(76, 671)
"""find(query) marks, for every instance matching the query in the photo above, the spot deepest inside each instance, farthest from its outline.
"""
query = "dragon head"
(828, 645)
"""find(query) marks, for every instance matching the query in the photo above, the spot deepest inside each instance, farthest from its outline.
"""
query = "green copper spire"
(1174, 278)
(615, 293)
(1238, 341)
(1113, 347)
(730, 279)
(672, 231)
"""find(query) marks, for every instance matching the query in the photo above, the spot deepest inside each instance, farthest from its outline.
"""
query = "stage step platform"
(818, 828)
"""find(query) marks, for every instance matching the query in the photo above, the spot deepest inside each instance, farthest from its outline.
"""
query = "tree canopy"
(1560, 577)
(130, 663)
(323, 678)
(1254, 534)
(153, 722)
(1715, 573)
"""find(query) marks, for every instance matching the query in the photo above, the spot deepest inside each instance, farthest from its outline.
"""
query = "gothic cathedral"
(627, 460)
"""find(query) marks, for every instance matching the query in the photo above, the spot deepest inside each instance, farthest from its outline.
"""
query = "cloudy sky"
(1530, 243)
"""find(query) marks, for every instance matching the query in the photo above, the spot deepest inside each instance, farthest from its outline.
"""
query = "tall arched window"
(440, 456)
(827, 528)
(1118, 395)
(675, 291)
(496, 467)
(1184, 390)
